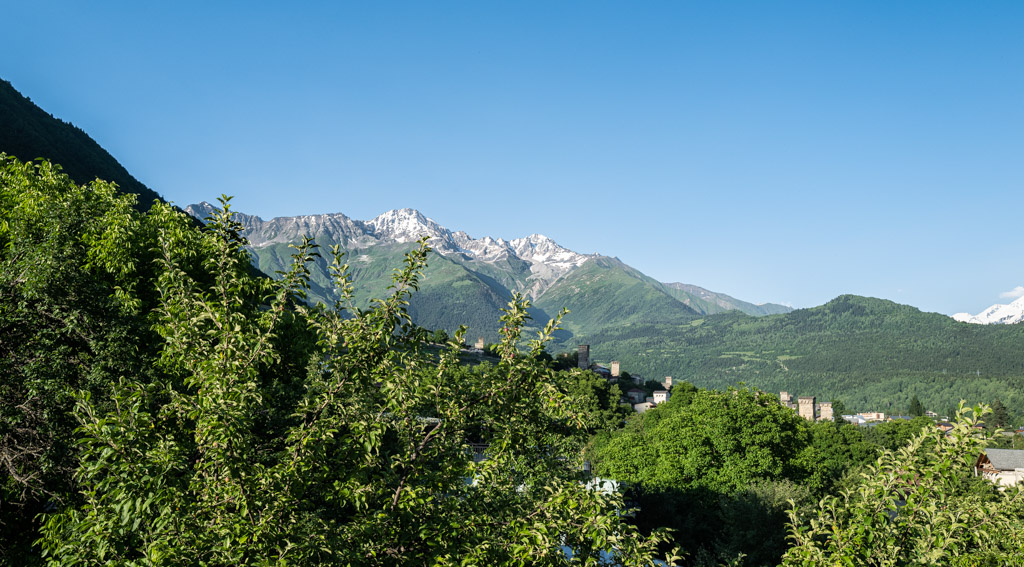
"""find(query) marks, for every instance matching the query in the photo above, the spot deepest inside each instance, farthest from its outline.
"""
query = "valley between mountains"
(870, 353)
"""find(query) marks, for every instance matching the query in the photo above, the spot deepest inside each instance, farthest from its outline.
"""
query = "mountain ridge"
(545, 260)
(872, 353)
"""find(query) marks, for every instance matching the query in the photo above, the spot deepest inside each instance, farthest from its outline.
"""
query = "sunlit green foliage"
(221, 422)
(918, 505)
(70, 256)
(717, 467)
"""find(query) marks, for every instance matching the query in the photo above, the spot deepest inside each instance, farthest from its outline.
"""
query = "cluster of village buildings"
(1004, 467)
(635, 398)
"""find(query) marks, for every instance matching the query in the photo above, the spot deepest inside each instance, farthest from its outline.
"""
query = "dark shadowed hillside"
(28, 132)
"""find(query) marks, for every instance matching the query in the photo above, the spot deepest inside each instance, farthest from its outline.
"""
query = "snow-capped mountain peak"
(996, 314)
(406, 225)
(540, 248)
(545, 260)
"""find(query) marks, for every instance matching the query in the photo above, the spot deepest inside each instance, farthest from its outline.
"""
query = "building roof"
(1006, 459)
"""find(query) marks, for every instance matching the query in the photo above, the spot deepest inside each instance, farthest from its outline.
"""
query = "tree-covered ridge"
(28, 132)
(605, 291)
(873, 354)
(222, 422)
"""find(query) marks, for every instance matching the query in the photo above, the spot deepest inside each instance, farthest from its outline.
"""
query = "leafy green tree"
(916, 407)
(439, 337)
(892, 435)
(835, 449)
(838, 410)
(566, 361)
(692, 463)
(369, 460)
(596, 397)
(920, 505)
(1000, 416)
(65, 327)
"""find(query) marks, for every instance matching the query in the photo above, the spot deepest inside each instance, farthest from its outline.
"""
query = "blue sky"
(776, 151)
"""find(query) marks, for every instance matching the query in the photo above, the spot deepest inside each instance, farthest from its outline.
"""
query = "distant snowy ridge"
(547, 260)
(997, 314)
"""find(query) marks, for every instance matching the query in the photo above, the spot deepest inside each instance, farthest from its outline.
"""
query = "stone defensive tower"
(825, 411)
(584, 356)
(667, 383)
(615, 369)
(806, 407)
(480, 343)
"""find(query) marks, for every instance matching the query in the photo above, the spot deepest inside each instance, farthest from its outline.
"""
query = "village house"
(642, 407)
(1005, 467)
(855, 419)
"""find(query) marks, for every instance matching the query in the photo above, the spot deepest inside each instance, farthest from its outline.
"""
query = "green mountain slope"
(28, 132)
(870, 353)
(708, 302)
(604, 291)
(450, 294)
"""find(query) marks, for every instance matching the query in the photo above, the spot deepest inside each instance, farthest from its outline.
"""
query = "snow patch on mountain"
(997, 314)
(547, 261)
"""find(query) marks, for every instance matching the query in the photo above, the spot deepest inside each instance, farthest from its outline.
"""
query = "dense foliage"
(65, 329)
(719, 467)
(221, 422)
(918, 505)
(732, 472)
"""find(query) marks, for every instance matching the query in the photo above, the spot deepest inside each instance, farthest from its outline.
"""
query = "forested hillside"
(606, 291)
(869, 353)
(28, 132)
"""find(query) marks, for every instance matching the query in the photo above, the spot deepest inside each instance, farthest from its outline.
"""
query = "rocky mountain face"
(470, 279)
(997, 314)
(544, 260)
